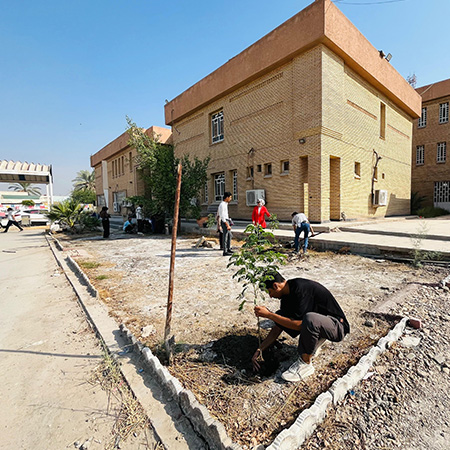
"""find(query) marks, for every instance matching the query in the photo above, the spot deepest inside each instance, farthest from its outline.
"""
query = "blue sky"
(70, 71)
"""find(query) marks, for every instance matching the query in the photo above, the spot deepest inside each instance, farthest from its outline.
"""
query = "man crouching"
(307, 310)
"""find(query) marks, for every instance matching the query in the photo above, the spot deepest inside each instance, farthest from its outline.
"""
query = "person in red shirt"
(259, 211)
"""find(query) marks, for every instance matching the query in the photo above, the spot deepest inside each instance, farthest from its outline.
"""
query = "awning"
(18, 172)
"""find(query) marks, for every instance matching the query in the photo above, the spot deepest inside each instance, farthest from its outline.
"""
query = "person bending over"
(307, 310)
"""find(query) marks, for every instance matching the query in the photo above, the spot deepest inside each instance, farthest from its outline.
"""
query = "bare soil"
(215, 341)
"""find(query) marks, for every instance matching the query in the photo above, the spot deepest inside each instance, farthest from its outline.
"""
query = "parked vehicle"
(36, 216)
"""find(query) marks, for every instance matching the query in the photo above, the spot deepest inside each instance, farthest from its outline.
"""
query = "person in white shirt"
(11, 220)
(140, 219)
(301, 223)
(224, 221)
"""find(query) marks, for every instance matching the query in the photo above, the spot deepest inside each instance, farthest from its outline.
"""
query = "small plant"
(431, 211)
(256, 260)
(102, 277)
(89, 264)
(211, 223)
(418, 254)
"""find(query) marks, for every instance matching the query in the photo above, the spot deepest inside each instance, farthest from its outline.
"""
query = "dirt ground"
(53, 381)
(215, 341)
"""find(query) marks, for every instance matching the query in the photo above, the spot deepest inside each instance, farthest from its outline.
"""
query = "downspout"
(373, 175)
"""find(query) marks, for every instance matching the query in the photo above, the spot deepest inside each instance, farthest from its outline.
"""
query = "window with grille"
(441, 152)
(219, 186)
(441, 191)
(420, 155)
(235, 186)
(422, 119)
(217, 127)
(443, 113)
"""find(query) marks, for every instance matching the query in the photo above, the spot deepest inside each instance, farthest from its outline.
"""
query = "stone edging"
(211, 429)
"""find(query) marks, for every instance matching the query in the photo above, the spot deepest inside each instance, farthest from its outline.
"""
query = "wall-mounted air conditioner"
(116, 207)
(380, 198)
(252, 196)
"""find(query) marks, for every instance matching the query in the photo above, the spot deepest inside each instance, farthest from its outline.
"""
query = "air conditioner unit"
(380, 198)
(253, 195)
(116, 207)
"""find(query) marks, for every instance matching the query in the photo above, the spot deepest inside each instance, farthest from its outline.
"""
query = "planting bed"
(215, 341)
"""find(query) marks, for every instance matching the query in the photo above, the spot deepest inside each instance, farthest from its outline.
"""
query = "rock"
(410, 342)
(369, 323)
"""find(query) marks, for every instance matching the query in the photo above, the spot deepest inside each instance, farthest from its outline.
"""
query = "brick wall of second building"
(425, 175)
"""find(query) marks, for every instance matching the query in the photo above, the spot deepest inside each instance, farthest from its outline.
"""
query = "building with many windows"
(116, 175)
(431, 137)
(312, 117)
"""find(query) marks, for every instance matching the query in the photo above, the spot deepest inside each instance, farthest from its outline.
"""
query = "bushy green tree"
(85, 196)
(158, 169)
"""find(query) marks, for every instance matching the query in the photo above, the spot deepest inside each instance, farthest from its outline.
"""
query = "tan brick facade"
(430, 172)
(320, 112)
(116, 175)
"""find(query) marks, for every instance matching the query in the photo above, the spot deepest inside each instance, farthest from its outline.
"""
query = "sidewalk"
(397, 236)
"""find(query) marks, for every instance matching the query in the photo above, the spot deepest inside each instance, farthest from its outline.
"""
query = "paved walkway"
(393, 236)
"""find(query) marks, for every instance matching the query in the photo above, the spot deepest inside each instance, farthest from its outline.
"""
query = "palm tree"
(29, 188)
(84, 180)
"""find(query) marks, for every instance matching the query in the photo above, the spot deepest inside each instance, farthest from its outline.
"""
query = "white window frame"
(235, 185)
(217, 127)
(441, 155)
(420, 155)
(206, 193)
(422, 122)
(443, 112)
(219, 186)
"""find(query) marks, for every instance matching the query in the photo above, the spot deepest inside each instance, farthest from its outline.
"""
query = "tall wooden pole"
(172, 266)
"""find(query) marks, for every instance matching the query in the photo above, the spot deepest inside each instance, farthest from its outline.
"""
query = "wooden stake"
(167, 341)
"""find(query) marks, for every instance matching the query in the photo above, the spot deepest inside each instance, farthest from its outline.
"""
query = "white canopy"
(18, 172)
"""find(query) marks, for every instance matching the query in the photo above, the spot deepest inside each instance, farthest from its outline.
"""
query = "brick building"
(116, 177)
(302, 117)
(431, 136)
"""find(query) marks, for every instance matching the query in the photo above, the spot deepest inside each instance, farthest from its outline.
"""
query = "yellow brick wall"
(314, 98)
(424, 176)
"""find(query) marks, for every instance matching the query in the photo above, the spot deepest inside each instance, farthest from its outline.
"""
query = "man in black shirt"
(307, 310)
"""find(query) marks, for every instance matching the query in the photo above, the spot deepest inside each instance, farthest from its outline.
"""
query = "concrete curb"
(212, 430)
(209, 428)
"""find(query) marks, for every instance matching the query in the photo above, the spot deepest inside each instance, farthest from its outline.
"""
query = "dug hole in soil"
(215, 341)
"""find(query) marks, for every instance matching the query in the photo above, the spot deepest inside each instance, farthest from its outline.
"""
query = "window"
(217, 127)
(443, 113)
(250, 173)
(284, 167)
(205, 193)
(235, 187)
(101, 200)
(268, 170)
(131, 162)
(219, 186)
(382, 121)
(123, 165)
(420, 155)
(357, 170)
(441, 152)
(259, 168)
(422, 119)
(441, 191)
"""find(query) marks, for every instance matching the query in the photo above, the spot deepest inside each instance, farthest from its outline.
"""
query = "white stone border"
(211, 429)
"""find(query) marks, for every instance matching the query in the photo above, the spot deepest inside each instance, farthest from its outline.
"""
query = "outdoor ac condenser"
(252, 196)
(380, 197)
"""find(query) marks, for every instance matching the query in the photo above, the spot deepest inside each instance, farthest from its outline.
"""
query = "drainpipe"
(373, 175)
